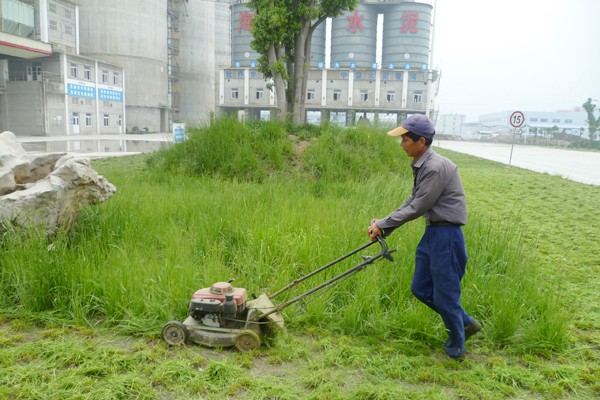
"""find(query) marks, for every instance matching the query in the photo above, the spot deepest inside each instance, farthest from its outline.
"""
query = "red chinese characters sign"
(355, 22)
(245, 22)
(409, 21)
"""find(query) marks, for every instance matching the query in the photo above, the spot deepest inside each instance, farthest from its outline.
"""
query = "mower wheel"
(247, 340)
(175, 333)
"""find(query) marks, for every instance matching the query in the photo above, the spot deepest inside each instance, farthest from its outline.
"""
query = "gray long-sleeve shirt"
(437, 194)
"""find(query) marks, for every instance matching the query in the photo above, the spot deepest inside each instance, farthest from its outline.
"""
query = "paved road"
(578, 166)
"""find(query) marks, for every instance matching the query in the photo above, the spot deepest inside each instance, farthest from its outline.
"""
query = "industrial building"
(351, 81)
(49, 88)
(569, 124)
(86, 69)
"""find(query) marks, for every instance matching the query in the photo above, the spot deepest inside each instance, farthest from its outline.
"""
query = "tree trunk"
(302, 60)
(279, 82)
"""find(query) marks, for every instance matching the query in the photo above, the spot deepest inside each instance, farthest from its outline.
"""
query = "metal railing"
(16, 28)
(43, 76)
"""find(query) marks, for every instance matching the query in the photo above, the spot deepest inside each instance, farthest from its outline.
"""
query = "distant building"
(450, 124)
(573, 122)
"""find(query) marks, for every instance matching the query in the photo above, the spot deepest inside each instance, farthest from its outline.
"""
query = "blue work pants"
(440, 263)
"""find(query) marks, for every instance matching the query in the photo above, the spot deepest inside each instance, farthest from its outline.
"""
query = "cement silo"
(241, 33)
(354, 38)
(406, 35)
(203, 46)
(317, 46)
(134, 37)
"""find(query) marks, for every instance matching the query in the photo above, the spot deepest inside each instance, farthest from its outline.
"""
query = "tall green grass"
(231, 202)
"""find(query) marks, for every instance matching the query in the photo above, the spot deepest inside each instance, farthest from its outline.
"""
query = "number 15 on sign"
(517, 119)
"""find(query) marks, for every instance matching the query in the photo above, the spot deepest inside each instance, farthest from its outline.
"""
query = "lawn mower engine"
(219, 306)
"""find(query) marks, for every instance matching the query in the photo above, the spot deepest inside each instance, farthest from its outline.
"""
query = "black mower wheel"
(175, 333)
(247, 340)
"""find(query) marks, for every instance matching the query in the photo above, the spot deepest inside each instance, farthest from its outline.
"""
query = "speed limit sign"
(517, 119)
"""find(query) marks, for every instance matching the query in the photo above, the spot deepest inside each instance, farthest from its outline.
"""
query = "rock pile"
(47, 190)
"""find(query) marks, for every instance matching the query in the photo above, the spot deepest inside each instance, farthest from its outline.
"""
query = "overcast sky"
(516, 55)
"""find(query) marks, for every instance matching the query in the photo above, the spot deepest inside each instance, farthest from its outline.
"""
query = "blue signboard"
(179, 132)
(110, 95)
(88, 92)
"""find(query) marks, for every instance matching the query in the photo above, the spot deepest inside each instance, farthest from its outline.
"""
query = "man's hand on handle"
(374, 230)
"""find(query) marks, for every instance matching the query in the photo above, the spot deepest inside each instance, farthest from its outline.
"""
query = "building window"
(105, 119)
(74, 100)
(310, 95)
(89, 102)
(52, 7)
(120, 121)
(73, 70)
(337, 95)
(104, 76)
(53, 25)
(88, 119)
(87, 73)
(115, 78)
(557, 121)
(418, 97)
(544, 120)
(568, 121)
(391, 96)
(364, 95)
(235, 94)
(75, 119)
(67, 13)
(68, 30)
(259, 94)
(533, 119)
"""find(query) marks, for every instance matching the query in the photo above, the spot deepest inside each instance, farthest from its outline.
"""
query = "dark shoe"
(455, 355)
(472, 329)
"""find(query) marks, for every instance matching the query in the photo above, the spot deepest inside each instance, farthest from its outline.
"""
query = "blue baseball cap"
(418, 124)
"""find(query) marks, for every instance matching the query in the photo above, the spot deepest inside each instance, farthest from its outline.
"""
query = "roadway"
(578, 166)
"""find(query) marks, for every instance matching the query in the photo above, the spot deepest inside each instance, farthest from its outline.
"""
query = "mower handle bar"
(385, 253)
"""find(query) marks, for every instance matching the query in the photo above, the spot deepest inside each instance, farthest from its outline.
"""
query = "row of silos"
(406, 37)
(241, 32)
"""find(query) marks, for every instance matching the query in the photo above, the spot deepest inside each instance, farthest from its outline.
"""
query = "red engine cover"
(218, 291)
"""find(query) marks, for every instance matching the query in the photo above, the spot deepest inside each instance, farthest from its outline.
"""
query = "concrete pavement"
(578, 166)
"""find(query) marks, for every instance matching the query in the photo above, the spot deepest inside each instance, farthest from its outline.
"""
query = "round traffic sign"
(517, 119)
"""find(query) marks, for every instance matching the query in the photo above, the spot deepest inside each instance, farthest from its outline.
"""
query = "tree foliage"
(593, 122)
(282, 31)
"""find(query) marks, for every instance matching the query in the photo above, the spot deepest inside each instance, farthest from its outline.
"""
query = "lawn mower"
(222, 315)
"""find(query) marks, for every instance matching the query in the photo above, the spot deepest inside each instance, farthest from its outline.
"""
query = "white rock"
(47, 190)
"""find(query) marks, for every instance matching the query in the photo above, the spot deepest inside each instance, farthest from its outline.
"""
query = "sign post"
(517, 119)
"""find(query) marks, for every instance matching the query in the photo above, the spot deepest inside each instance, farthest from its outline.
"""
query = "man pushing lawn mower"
(441, 256)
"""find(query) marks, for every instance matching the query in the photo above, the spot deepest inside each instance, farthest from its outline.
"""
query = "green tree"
(593, 122)
(282, 31)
